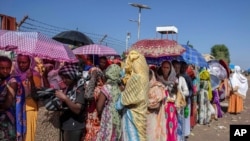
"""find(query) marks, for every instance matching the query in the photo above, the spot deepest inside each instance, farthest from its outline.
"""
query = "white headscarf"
(171, 78)
(239, 80)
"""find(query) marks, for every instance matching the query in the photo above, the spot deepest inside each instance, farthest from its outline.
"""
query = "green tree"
(220, 51)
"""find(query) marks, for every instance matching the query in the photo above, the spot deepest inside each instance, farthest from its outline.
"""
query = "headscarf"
(205, 75)
(172, 76)
(190, 72)
(239, 80)
(94, 73)
(23, 75)
(112, 74)
(70, 70)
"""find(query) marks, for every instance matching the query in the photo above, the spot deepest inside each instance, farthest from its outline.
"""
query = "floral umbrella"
(155, 48)
(35, 44)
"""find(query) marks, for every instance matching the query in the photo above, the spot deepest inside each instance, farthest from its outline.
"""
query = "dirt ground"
(219, 130)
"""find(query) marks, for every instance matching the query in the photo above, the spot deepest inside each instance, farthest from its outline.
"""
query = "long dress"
(171, 119)
(216, 104)
(111, 120)
(156, 121)
(31, 110)
(93, 122)
(235, 104)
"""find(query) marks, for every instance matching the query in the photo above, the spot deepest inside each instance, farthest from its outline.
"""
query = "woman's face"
(23, 62)
(66, 80)
(5, 68)
(177, 67)
(166, 68)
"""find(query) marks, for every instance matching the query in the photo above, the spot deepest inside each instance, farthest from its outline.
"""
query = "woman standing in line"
(156, 121)
(8, 89)
(166, 74)
(110, 129)
(72, 117)
(91, 96)
(24, 68)
(239, 90)
(183, 88)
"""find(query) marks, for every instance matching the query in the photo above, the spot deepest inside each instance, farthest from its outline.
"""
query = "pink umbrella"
(94, 49)
(35, 44)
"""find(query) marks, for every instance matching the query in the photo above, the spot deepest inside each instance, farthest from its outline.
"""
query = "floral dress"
(92, 93)
(111, 120)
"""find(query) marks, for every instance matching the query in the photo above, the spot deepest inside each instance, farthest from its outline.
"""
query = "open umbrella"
(35, 44)
(95, 49)
(217, 69)
(192, 56)
(155, 48)
(73, 37)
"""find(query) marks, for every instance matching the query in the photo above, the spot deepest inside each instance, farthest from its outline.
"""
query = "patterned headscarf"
(95, 75)
(112, 73)
(70, 70)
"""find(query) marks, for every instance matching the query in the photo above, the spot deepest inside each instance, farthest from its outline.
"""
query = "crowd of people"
(130, 100)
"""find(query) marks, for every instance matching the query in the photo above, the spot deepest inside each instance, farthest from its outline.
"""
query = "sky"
(202, 23)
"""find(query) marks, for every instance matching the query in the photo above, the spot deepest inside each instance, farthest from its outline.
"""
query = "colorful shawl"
(134, 99)
(17, 114)
(205, 75)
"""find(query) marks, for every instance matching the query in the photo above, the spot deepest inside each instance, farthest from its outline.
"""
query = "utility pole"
(140, 7)
(21, 22)
(127, 38)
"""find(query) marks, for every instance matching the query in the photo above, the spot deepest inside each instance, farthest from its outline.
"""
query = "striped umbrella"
(192, 56)
(35, 44)
(95, 49)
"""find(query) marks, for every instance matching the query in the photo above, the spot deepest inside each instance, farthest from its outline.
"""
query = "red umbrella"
(35, 44)
(155, 48)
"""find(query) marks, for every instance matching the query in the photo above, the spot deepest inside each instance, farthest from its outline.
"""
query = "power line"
(50, 30)
(47, 24)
